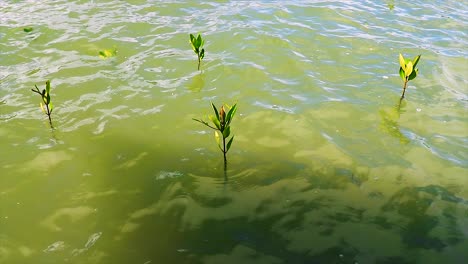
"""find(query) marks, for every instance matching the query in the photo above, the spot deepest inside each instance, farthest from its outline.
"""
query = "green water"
(324, 168)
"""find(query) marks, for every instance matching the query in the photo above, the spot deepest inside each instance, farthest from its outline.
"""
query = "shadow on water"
(156, 204)
(198, 82)
(273, 212)
(389, 121)
(414, 204)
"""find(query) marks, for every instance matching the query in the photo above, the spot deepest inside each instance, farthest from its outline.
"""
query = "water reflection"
(389, 121)
(45, 161)
(312, 215)
(198, 82)
(424, 210)
(72, 214)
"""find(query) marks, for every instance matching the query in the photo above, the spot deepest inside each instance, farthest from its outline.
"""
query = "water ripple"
(308, 52)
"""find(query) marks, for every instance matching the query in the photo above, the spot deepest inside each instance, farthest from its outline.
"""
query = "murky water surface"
(325, 166)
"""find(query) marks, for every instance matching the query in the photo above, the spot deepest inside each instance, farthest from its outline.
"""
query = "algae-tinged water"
(324, 168)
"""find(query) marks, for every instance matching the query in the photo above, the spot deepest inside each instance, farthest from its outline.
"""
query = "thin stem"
(48, 115)
(399, 103)
(225, 173)
(199, 62)
(224, 152)
(404, 89)
(47, 106)
(37, 91)
(205, 123)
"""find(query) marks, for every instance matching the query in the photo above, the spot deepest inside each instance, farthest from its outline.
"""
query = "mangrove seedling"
(197, 46)
(408, 71)
(107, 53)
(222, 127)
(46, 104)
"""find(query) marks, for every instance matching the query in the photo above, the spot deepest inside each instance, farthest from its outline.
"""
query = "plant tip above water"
(46, 104)
(108, 53)
(222, 126)
(408, 70)
(197, 46)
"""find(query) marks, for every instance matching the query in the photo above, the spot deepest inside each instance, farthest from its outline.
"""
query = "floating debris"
(56, 246)
(92, 239)
(168, 174)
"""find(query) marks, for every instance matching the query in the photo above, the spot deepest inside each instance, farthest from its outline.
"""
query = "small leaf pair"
(46, 104)
(107, 53)
(197, 46)
(408, 70)
(222, 126)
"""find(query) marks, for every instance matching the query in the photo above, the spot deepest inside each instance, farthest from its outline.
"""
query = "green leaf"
(192, 39)
(409, 69)
(402, 74)
(215, 110)
(47, 86)
(42, 107)
(51, 107)
(402, 62)
(192, 42)
(27, 29)
(199, 41)
(227, 132)
(229, 144)
(199, 121)
(416, 60)
(413, 75)
(47, 99)
(215, 121)
(217, 138)
(231, 114)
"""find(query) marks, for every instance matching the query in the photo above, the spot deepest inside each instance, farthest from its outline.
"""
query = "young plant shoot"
(45, 95)
(222, 126)
(108, 53)
(197, 46)
(408, 71)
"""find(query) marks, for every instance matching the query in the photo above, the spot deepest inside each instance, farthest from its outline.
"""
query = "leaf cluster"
(222, 125)
(107, 53)
(45, 95)
(197, 46)
(408, 70)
